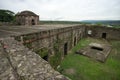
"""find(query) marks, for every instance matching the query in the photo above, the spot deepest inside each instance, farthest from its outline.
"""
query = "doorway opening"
(74, 41)
(45, 57)
(65, 48)
(104, 35)
(33, 22)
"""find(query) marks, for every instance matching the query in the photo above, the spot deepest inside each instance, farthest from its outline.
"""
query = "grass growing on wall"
(42, 52)
(79, 67)
(55, 60)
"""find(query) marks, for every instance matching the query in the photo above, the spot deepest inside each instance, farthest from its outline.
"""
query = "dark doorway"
(45, 57)
(33, 22)
(104, 35)
(80, 36)
(65, 48)
(74, 41)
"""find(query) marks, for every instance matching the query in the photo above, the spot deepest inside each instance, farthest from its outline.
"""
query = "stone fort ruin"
(29, 52)
(27, 18)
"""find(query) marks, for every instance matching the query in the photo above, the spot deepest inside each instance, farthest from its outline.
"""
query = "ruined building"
(27, 18)
(31, 53)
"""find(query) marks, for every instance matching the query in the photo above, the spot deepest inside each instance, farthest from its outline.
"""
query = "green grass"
(89, 69)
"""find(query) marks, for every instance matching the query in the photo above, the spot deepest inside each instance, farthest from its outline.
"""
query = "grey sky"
(67, 9)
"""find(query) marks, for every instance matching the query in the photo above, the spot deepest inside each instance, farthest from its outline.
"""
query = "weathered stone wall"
(103, 32)
(20, 63)
(54, 43)
(27, 20)
(7, 23)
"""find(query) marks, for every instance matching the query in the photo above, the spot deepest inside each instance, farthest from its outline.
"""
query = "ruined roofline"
(26, 13)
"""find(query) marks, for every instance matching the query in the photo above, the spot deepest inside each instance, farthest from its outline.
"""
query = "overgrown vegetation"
(79, 67)
(42, 52)
(55, 60)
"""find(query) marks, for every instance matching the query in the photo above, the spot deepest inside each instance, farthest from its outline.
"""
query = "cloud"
(67, 9)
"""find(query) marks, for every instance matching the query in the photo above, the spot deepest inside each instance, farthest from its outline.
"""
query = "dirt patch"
(70, 71)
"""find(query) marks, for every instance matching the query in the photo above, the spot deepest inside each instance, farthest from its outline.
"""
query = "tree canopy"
(6, 16)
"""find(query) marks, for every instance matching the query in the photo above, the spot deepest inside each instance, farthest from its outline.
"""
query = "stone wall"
(54, 43)
(20, 63)
(103, 32)
(27, 20)
(7, 23)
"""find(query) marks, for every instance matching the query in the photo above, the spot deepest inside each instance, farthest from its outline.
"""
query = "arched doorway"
(33, 22)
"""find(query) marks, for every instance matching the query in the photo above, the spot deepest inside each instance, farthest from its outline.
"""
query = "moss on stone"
(56, 59)
(42, 52)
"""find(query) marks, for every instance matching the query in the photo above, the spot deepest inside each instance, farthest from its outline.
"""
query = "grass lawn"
(78, 67)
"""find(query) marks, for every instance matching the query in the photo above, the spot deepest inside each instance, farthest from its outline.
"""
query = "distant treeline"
(60, 22)
(109, 22)
(114, 23)
(7, 16)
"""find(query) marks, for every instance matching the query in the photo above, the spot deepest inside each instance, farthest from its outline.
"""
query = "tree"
(6, 16)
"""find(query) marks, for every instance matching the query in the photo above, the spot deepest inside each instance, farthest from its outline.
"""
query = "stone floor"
(96, 51)
(6, 31)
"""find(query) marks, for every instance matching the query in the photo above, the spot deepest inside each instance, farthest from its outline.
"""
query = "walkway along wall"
(52, 45)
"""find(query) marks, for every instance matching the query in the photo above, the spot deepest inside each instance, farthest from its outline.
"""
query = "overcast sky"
(74, 10)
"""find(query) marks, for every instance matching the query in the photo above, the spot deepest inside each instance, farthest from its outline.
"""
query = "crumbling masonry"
(51, 42)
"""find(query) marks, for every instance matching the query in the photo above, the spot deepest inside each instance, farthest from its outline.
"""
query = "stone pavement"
(7, 31)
